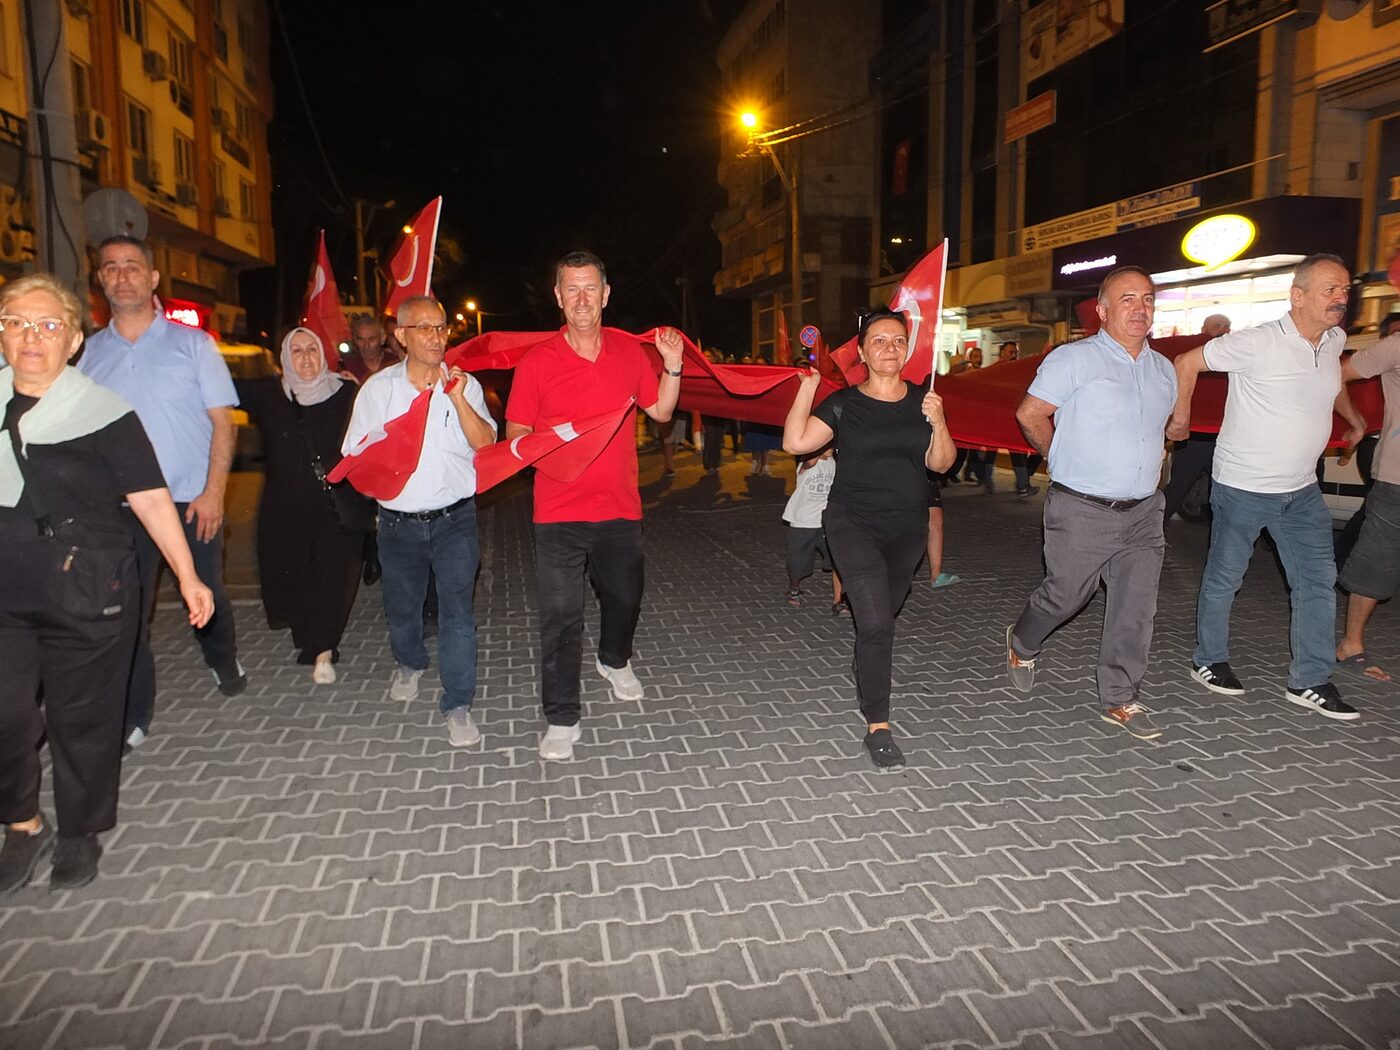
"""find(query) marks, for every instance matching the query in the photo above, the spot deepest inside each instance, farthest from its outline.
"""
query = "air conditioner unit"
(93, 130)
(79, 8)
(145, 171)
(219, 118)
(223, 208)
(156, 65)
(186, 193)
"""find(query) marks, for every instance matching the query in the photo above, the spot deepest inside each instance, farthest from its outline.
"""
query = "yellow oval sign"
(1215, 241)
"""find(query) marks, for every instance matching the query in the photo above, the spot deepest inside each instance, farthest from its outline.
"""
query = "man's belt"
(427, 515)
(1111, 504)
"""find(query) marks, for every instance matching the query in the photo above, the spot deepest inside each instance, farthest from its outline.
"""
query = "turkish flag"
(411, 266)
(321, 310)
(782, 345)
(380, 465)
(562, 451)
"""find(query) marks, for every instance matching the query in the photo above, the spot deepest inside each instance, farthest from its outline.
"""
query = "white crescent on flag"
(412, 263)
(318, 283)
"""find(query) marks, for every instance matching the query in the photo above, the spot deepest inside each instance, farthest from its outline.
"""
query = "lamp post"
(788, 177)
(474, 308)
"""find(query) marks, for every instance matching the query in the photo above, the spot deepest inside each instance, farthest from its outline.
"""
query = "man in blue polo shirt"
(1098, 410)
(174, 378)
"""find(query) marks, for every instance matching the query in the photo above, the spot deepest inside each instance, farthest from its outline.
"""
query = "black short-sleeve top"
(880, 449)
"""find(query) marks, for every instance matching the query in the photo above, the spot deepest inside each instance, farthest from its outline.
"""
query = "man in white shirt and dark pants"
(431, 524)
(1285, 381)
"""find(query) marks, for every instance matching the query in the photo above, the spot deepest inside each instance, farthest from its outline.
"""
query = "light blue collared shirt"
(172, 375)
(1111, 416)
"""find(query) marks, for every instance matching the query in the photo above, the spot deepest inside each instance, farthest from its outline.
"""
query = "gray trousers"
(1086, 544)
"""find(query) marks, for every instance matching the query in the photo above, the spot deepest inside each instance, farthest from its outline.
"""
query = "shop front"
(1237, 261)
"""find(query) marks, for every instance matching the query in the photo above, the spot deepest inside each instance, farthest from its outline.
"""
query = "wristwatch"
(676, 374)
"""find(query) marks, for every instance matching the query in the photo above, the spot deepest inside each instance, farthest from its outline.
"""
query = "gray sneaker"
(1020, 670)
(558, 742)
(461, 730)
(624, 682)
(404, 687)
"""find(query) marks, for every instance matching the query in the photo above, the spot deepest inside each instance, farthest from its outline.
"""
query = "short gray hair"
(1123, 271)
(418, 300)
(45, 282)
(1305, 268)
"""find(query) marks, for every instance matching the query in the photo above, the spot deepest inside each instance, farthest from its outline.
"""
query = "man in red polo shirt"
(592, 524)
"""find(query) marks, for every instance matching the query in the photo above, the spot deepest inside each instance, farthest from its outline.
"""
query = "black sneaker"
(231, 682)
(74, 862)
(21, 854)
(884, 752)
(1218, 678)
(1325, 700)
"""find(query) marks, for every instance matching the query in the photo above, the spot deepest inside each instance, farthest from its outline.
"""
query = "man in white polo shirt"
(1285, 381)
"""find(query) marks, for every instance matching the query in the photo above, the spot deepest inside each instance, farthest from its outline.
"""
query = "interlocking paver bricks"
(316, 868)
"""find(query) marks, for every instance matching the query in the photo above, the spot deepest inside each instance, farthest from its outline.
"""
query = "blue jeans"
(448, 545)
(1302, 531)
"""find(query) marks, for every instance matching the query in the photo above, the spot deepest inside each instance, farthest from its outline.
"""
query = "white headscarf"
(307, 391)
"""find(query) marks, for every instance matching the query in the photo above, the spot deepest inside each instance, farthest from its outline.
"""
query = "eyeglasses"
(46, 328)
(424, 328)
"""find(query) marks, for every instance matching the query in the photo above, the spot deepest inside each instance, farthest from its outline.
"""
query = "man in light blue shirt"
(1098, 410)
(175, 379)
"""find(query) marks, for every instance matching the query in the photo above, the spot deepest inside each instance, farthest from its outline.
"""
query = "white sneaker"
(558, 742)
(461, 730)
(405, 684)
(624, 683)
(134, 738)
(323, 673)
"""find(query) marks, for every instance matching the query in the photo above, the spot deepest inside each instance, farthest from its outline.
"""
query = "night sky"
(545, 125)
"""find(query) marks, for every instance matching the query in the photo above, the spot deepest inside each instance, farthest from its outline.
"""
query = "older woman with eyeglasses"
(887, 433)
(71, 453)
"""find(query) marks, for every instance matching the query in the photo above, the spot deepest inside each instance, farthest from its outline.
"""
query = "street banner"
(411, 267)
(321, 311)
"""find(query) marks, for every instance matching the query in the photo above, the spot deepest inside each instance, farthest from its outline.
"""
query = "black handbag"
(353, 512)
(91, 579)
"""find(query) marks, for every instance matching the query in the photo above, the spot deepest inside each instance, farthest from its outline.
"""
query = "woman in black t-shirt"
(72, 451)
(887, 433)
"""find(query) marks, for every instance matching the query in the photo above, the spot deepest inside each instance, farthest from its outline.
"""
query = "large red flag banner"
(321, 310)
(380, 465)
(411, 266)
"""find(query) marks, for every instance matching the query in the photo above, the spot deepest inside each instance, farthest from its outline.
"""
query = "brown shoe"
(1133, 717)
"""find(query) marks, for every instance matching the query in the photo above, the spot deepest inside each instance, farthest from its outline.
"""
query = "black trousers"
(1190, 459)
(876, 556)
(216, 638)
(81, 669)
(609, 553)
(714, 445)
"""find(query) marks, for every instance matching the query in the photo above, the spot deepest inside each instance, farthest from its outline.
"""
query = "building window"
(138, 129)
(245, 36)
(243, 116)
(82, 85)
(220, 188)
(4, 43)
(132, 14)
(181, 59)
(245, 199)
(184, 158)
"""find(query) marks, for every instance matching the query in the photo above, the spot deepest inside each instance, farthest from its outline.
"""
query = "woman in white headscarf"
(310, 534)
(70, 454)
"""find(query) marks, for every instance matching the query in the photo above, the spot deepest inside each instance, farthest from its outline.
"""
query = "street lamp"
(473, 308)
(756, 141)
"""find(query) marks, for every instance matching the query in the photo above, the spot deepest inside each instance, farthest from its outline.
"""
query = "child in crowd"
(805, 536)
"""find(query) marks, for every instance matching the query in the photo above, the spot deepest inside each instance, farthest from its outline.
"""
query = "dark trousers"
(980, 464)
(1190, 459)
(217, 640)
(447, 548)
(714, 445)
(81, 668)
(610, 554)
(1087, 544)
(876, 556)
(1023, 465)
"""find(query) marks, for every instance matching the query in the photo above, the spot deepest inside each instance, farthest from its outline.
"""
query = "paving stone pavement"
(720, 866)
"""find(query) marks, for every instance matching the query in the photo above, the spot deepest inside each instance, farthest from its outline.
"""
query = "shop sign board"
(1387, 198)
(1220, 239)
(1231, 20)
(1060, 30)
(1029, 274)
(1149, 209)
(1068, 229)
(1029, 116)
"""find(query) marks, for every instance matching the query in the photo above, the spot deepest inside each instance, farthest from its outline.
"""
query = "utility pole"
(57, 203)
(360, 251)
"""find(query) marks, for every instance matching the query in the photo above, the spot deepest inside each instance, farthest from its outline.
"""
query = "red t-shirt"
(553, 384)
